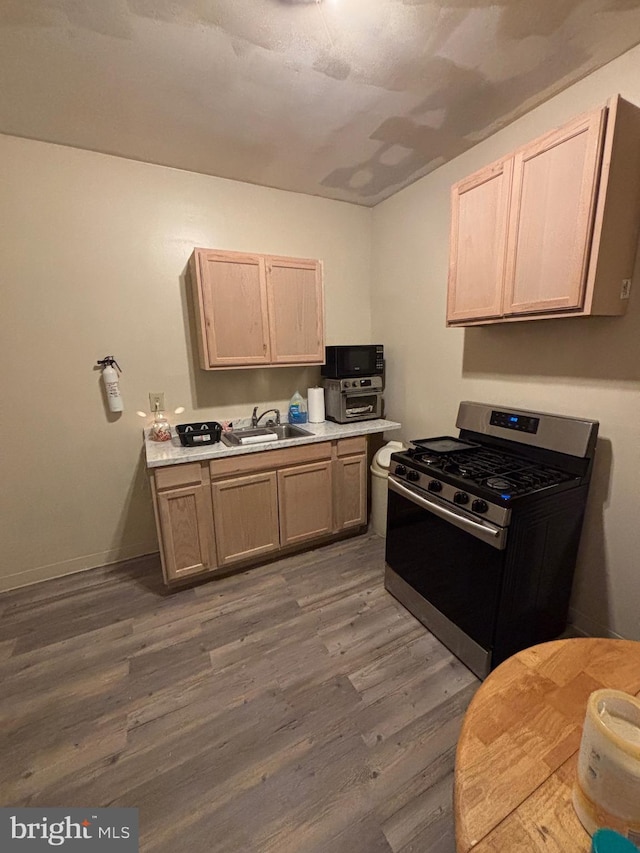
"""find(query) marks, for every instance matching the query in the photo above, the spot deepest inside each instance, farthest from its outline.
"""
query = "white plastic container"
(379, 473)
(297, 409)
(607, 788)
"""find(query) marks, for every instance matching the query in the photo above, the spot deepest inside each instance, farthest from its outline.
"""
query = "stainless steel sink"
(289, 431)
(248, 435)
(257, 435)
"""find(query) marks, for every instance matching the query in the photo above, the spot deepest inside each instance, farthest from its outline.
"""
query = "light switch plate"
(156, 397)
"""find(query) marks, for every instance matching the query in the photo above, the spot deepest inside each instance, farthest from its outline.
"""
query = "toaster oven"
(353, 399)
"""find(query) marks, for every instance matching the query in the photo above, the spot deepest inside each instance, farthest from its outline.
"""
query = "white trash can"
(379, 473)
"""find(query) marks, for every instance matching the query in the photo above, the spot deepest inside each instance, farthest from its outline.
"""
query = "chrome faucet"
(255, 419)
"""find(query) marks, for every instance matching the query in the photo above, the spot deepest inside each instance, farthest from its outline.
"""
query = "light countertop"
(159, 453)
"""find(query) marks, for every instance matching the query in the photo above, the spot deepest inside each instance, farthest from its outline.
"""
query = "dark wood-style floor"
(296, 707)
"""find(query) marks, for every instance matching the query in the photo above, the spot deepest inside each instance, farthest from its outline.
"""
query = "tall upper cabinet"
(552, 229)
(257, 310)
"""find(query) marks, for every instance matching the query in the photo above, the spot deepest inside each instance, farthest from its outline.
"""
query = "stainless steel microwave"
(343, 362)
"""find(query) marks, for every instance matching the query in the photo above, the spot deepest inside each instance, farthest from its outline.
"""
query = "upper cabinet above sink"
(550, 230)
(257, 310)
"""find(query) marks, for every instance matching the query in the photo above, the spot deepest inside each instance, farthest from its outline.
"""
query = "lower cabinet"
(245, 514)
(305, 502)
(351, 492)
(185, 522)
(240, 509)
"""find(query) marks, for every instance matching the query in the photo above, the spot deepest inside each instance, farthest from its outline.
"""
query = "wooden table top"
(517, 754)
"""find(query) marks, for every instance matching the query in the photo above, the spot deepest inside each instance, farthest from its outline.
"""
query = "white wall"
(93, 251)
(588, 367)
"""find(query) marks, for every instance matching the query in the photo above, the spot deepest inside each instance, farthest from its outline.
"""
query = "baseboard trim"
(589, 627)
(78, 564)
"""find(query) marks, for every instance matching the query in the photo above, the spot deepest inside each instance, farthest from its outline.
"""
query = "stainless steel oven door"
(446, 567)
(490, 533)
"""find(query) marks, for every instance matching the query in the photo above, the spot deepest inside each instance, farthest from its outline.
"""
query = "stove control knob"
(434, 486)
(401, 470)
(479, 506)
(414, 476)
(461, 498)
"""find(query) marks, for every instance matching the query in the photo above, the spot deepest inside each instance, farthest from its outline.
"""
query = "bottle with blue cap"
(297, 409)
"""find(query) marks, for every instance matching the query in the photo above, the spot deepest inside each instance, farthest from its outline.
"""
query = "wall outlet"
(156, 400)
(625, 290)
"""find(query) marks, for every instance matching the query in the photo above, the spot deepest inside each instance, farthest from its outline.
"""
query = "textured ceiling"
(348, 99)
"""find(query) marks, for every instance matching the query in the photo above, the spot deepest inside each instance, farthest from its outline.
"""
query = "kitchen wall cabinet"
(296, 314)
(552, 229)
(239, 510)
(480, 212)
(257, 310)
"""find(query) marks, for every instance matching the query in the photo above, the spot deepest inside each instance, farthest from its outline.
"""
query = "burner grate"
(498, 471)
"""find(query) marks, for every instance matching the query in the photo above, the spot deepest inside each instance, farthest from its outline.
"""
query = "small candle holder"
(160, 428)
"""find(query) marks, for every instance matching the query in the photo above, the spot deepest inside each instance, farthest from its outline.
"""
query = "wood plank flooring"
(296, 707)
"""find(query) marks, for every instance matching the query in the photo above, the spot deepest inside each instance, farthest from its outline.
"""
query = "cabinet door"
(351, 492)
(232, 297)
(305, 502)
(479, 219)
(187, 531)
(245, 511)
(296, 312)
(555, 180)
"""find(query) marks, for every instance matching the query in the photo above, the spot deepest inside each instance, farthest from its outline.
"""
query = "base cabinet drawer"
(245, 511)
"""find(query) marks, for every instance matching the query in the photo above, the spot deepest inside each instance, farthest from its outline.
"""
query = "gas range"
(483, 529)
(482, 479)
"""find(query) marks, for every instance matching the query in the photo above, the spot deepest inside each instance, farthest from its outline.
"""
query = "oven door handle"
(495, 536)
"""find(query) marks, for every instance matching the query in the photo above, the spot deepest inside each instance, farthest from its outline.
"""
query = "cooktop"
(504, 474)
